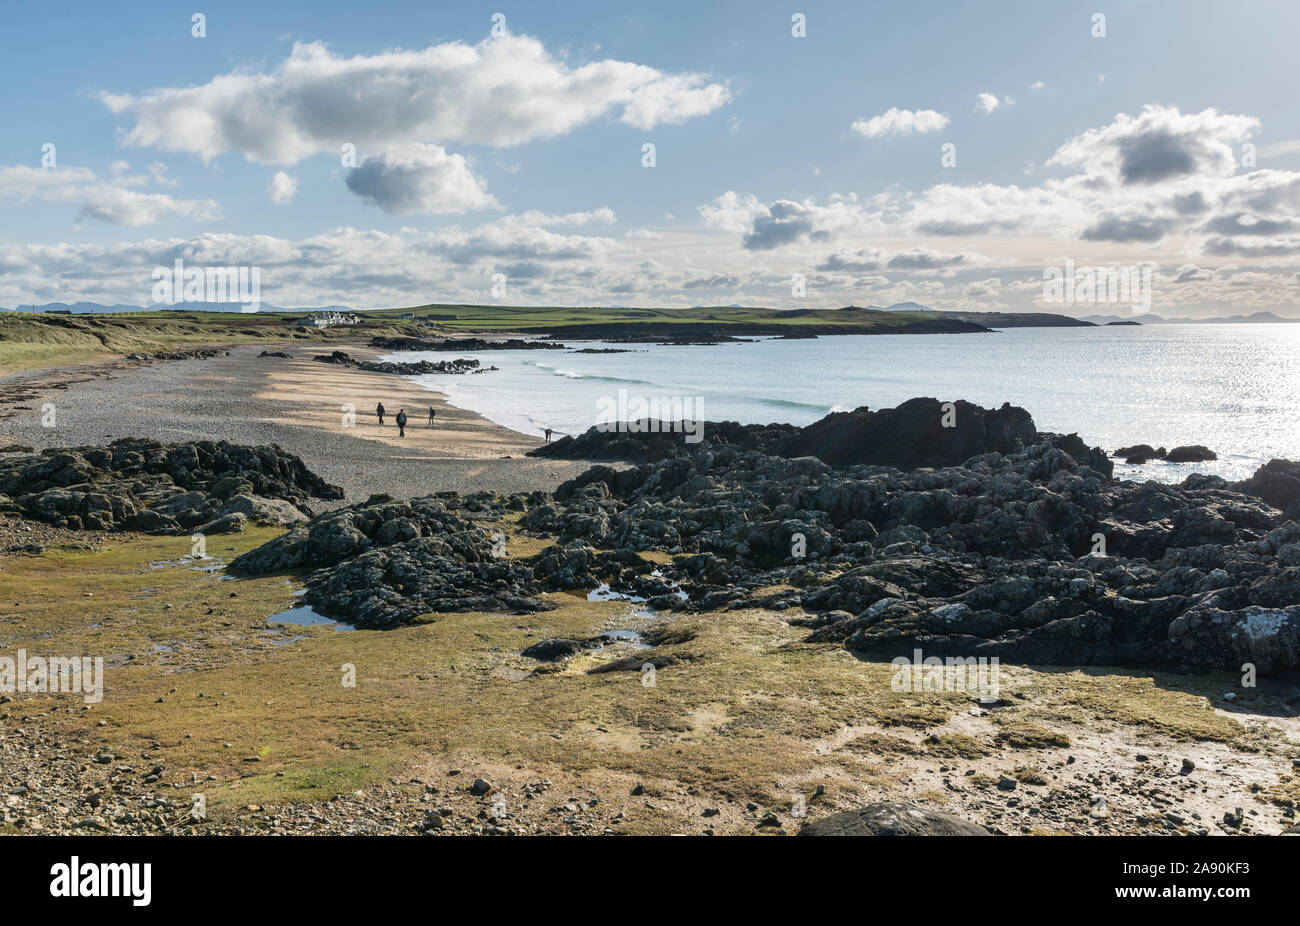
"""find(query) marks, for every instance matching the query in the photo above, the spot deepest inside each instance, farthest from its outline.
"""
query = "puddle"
(603, 592)
(205, 564)
(304, 616)
(681, 595)
(625, 635)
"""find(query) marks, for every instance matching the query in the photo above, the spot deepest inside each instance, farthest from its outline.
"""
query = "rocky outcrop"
(892, 819)
(384, 562)
(143, 485)
(1032, 553)
(1194, 453)
(402, 369)
(1278, 483)
(1143, 453)
(198, 353)
(647, 441)
(920, 432)
(1035, 555)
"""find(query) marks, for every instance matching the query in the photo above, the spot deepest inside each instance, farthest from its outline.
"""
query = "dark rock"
(1194, 453)
(552, 650)
(914, 434)
(401, 369)
(144, 485)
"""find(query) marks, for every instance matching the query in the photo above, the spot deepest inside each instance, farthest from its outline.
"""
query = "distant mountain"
(900, 307)
(95, 308)
(1150, 318)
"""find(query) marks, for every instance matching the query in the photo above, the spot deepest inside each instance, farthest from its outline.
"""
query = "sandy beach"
(296, 403)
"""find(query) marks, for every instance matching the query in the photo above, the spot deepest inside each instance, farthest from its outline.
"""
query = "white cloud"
(158, 171)
(987, 102)
(500, 92)
(898, 122)
(1037, 85)
(113, 203)
(282, 188)
(1280, 148)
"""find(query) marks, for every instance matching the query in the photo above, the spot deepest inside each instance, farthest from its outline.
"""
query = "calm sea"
(1233, 388)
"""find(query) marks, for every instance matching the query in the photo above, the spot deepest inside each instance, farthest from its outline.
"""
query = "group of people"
(400, 418)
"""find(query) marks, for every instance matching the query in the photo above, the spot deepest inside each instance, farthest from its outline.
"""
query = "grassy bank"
(34, 341)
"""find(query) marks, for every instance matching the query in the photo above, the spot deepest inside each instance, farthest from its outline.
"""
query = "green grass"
(540, 318)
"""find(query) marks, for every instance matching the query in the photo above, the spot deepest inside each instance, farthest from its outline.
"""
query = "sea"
(1232, 388)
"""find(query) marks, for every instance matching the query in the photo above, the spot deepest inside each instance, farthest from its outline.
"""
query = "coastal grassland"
(39, 340)
(746, 712)
(34, 341)
(545, 318)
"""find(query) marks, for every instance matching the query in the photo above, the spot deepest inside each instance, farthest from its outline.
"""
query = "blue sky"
(517, 165)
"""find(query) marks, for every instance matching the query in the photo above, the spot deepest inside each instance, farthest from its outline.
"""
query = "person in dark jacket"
(431, 414)
(379, 411)
(401, 422)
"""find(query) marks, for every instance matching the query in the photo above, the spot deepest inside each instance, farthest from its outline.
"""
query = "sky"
(672, 154)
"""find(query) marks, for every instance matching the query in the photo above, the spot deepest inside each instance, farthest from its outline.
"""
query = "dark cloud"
(923, 259)
(1154, 156)
(1191, 204)
(852, 261)
(785, 223)
(1127, 228)
(1244, 224)
(1230, 247)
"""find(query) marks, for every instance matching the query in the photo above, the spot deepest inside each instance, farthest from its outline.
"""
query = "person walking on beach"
(401, 422)
(379, 410)
(548, 435)
(431, 414)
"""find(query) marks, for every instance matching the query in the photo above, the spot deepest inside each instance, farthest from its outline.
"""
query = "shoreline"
(297, 403)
